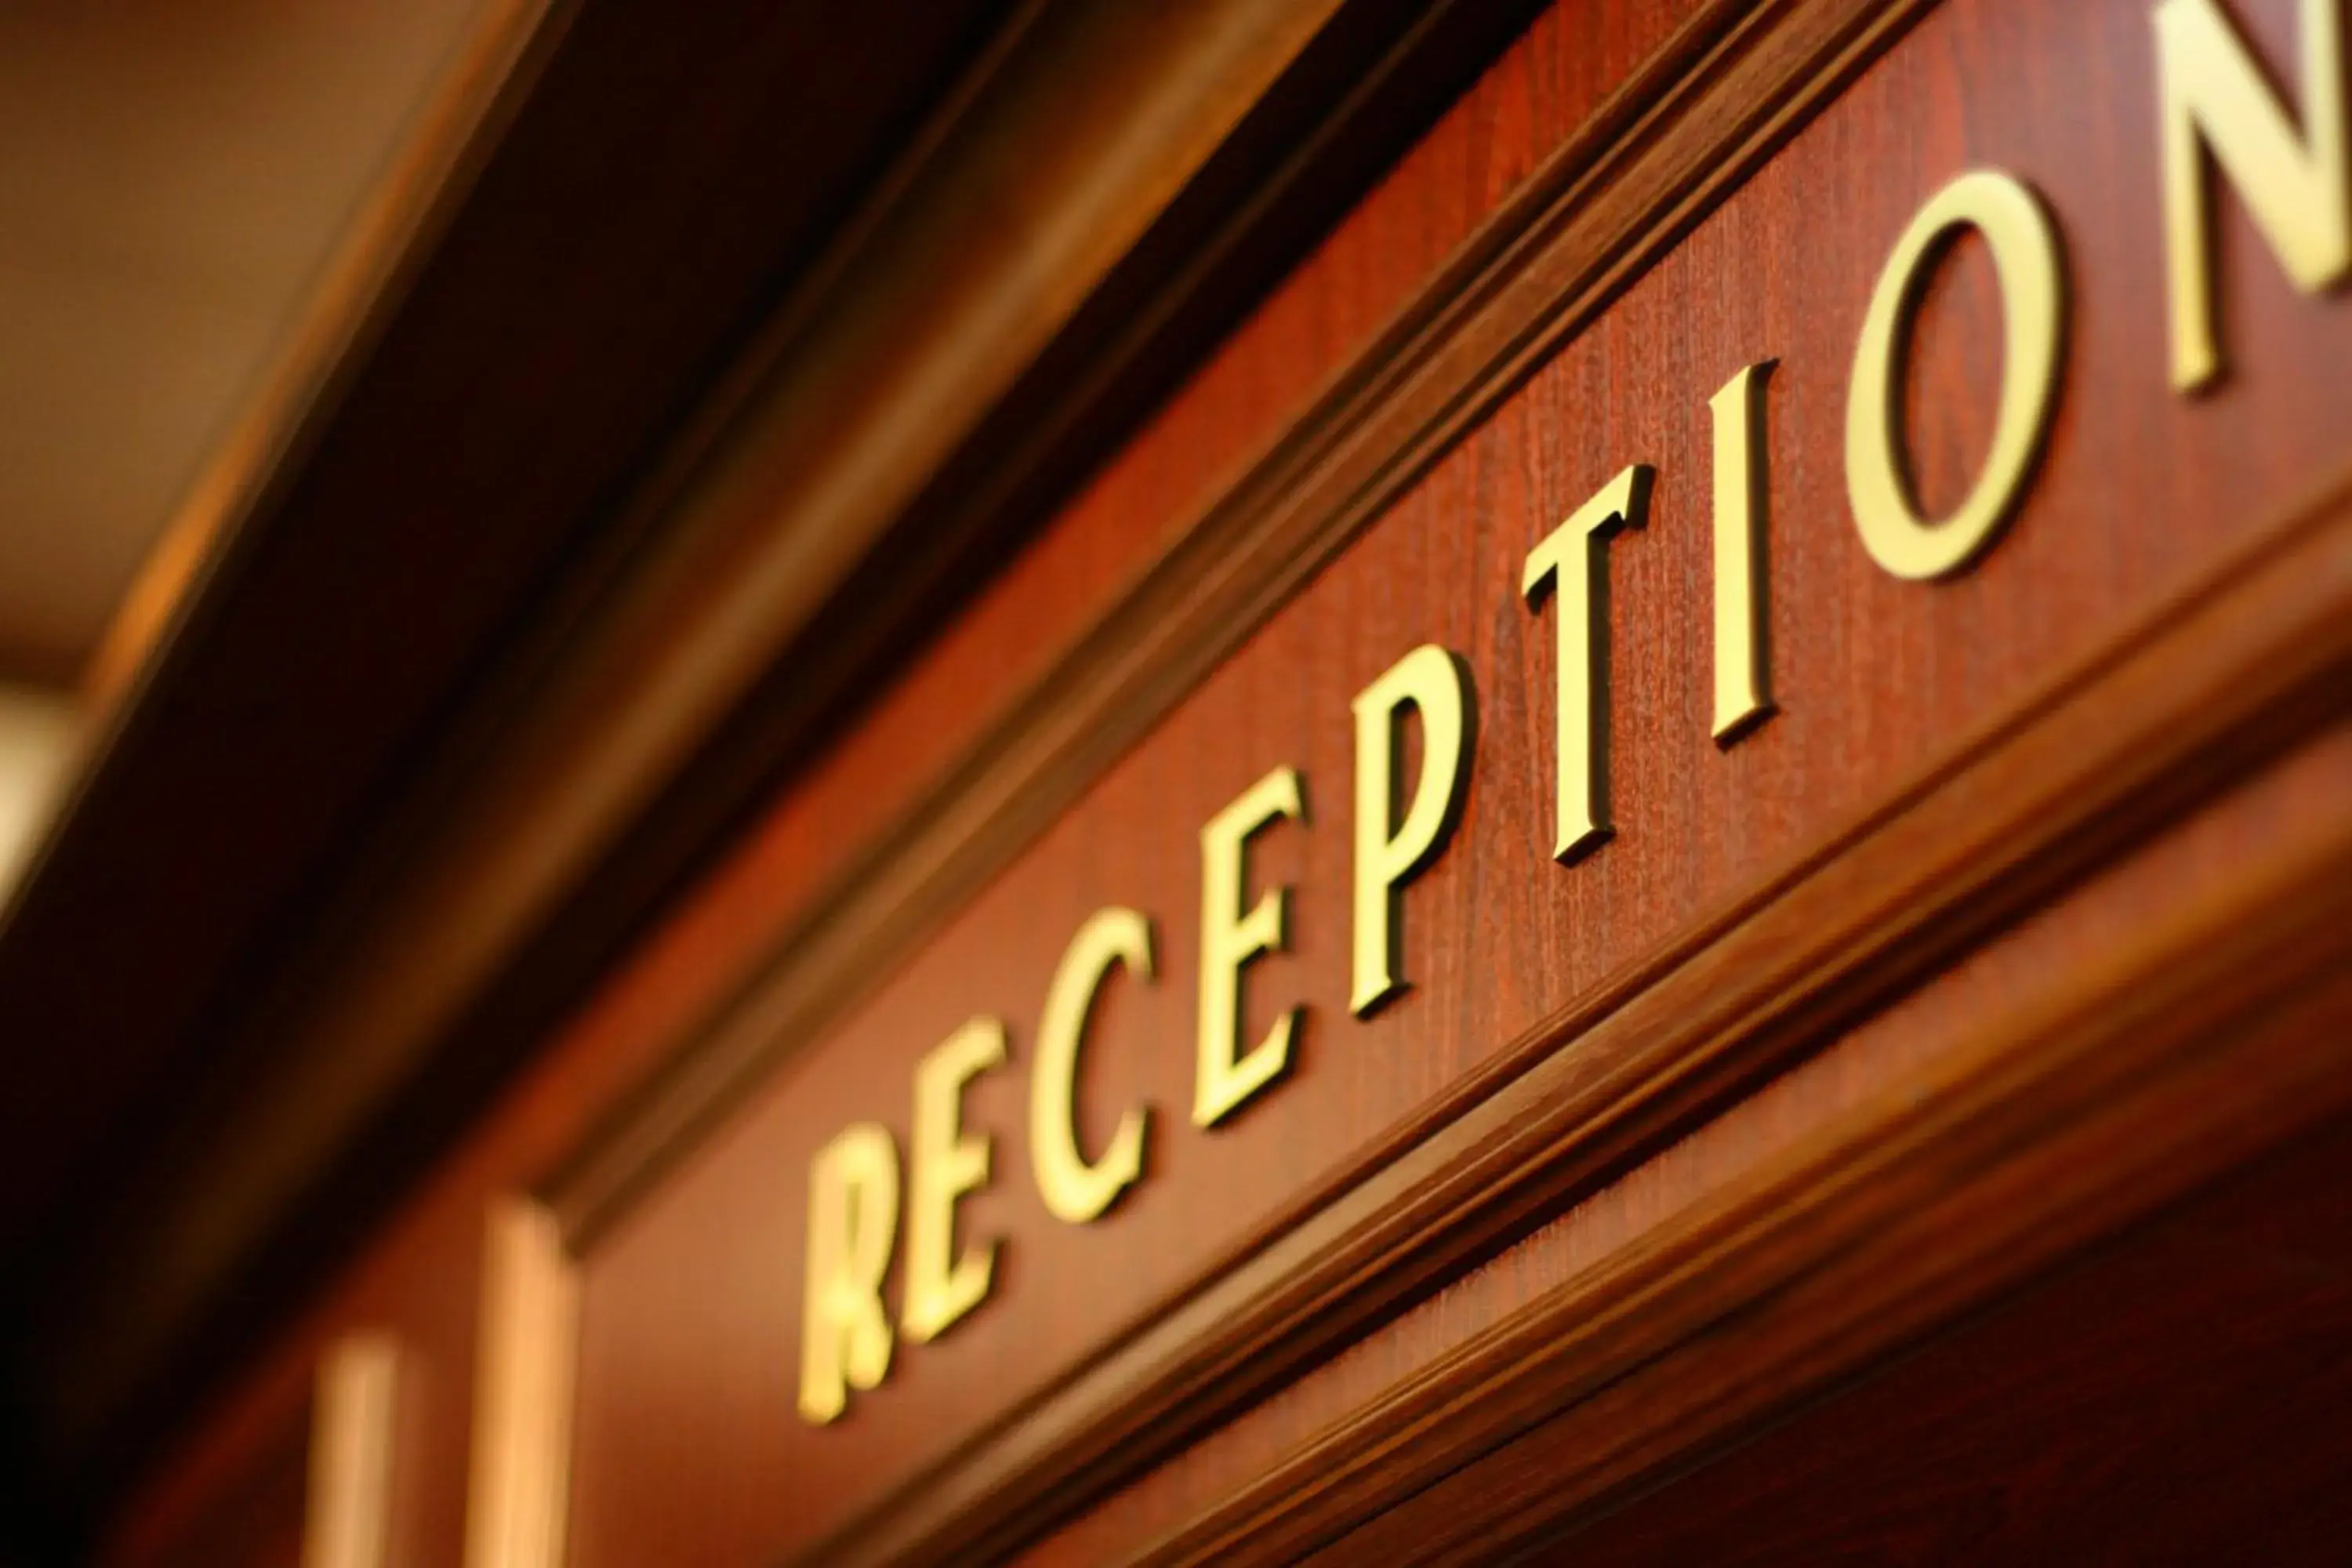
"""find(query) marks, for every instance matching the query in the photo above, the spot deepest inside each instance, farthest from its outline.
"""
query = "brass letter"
(946, 1163)
(1074, 1190)
(1229, 939)
(853, 1220)
(2025, 258)
(1438, 684)
(1743, 681)
(2214, 96)
(1573, 559)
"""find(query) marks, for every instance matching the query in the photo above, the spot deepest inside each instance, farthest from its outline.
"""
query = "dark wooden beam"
(631, 190)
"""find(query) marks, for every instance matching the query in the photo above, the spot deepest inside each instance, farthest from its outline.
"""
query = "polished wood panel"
(1958, 857)
(420, 1272)
(2157, 1065)
(1189, 598)
(1903, 708)
(2143, 497)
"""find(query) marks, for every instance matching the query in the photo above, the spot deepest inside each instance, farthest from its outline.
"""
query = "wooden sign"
(2027, 329)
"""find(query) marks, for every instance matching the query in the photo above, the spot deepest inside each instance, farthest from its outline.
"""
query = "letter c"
(1073, 1189)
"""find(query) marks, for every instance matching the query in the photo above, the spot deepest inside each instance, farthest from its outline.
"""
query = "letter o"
(2027, 261)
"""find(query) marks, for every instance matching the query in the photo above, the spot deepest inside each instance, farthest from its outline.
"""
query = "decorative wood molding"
(2029, 804)
(2219, 1034)
(1736, 81)
(2207, 688)
(354, 1431)
(518, 1499)
(863, 386)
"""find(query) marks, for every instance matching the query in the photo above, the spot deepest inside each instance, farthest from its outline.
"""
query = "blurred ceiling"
(173, 173)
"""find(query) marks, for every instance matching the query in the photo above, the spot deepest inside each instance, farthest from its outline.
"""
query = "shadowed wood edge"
(2205, 1042)
(1715, 103)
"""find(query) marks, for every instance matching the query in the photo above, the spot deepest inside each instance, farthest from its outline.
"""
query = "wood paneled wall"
(2021, 915)
(421, 1276)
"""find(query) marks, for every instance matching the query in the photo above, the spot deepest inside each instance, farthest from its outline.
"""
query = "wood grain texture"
(1907, 710)
(2176, 1398)
(419, 1271)
(2107, 758)
(2220, 1028)
(1359, 1423)
(1179, 158)
(1514, 952)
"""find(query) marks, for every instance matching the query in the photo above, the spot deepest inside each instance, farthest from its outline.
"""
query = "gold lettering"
(1074, 1190)
(2026, 260)
(2215, 97)
(1387, 851)
(1231, 938)
(852, 1218)
(1573, 561)
(946, 1163)
(1742, 648)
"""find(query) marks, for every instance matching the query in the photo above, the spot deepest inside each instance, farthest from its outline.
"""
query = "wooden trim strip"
(2207, 689)
(518, 1499)
(347, 1515)
(2225, 1033)
(1718, 100)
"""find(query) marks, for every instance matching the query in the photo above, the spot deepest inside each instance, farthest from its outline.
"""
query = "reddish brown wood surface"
(2179, 1399)
(419, 1275)
(1360, 1427)
(2140, 491)
(689, 1447)
(1591, 1298)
